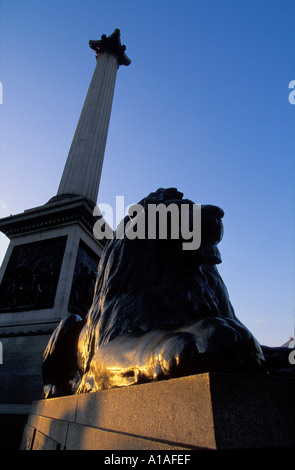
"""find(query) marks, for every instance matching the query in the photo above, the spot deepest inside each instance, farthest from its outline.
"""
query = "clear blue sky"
(203, 107)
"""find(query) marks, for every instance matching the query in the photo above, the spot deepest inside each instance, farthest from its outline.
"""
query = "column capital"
(111, 45)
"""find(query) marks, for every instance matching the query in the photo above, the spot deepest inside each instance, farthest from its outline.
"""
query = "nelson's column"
(50, 266)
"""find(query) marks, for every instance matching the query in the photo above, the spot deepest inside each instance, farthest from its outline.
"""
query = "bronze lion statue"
(158, 312)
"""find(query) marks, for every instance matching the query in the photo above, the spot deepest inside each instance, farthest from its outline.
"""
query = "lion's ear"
(213, 210)
(172, 193)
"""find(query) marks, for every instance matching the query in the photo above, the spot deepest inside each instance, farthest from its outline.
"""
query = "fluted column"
(83, 167)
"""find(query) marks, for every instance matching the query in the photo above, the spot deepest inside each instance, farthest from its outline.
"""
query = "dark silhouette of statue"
(158, 312)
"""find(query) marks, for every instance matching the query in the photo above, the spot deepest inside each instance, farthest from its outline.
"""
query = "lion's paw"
(175, 355)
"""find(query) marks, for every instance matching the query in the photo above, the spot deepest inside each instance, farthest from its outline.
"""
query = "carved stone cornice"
(37, 329)
(58, 212)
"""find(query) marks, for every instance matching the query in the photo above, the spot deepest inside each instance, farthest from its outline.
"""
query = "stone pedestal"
(48, 272)
(206, 411)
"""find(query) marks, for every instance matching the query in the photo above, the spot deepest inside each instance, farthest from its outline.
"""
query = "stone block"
(254, 412)
(205, 411)
(28, 437)
(58, 408)
(55, 428)
(42, 442)
(87, 438)
(167, 410)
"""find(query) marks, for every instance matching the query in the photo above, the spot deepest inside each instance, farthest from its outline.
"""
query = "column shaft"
(83, 167)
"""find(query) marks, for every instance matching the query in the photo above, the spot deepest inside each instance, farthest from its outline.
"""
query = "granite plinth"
(27, 321)
(205, 411)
